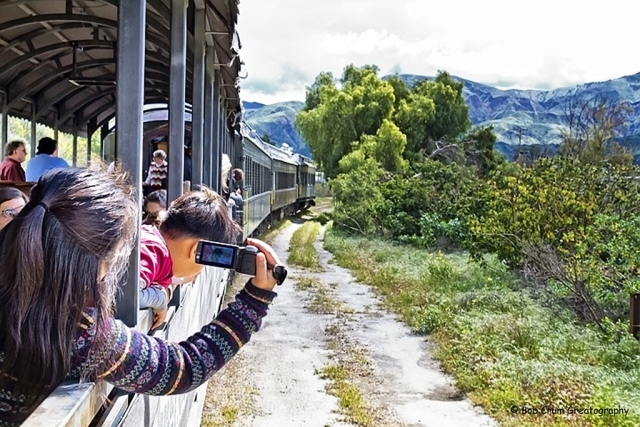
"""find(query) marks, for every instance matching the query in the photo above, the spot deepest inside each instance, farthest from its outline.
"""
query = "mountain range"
(528, 117)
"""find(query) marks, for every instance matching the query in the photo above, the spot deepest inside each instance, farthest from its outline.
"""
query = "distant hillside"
(538, 113)
(277, 121)
(249, 106)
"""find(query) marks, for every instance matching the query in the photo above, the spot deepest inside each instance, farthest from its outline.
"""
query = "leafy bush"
(568, 225)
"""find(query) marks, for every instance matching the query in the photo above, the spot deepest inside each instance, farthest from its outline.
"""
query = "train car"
(257, 187)
(291, 179)
(306, 179)
(284, 182)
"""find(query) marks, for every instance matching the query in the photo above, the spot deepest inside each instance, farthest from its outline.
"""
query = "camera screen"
(219, 256)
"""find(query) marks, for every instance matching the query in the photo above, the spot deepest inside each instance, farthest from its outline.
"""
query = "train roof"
(60, 56)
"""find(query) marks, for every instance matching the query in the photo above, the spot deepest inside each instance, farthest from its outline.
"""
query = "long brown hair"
(50, 259)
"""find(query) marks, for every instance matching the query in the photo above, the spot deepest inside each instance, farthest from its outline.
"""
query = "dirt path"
(324, 320)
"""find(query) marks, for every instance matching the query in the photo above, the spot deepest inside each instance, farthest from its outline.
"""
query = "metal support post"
(5, 120)
(74, 155)
(215, 149)
(129, 104)
(104, 131)
(209, 105)
(56, 125)
(91, 129)
(197, 116)
(32, 141)
(177, 89)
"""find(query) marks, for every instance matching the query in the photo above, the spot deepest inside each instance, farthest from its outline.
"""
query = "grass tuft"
(301, 250)
(349, 397)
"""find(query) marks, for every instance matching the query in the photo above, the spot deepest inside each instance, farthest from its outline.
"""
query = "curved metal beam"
(61, 97)
(94, 63)
(5, 4)
(56, 17)
(91, 44)
(157, 100)
(97, 113)
(86, 103)
(157, 75)
(65, 18)
(106, 107)
(25, 38)
(152, 70)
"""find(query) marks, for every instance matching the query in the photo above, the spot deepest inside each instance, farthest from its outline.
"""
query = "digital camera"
(240, 259)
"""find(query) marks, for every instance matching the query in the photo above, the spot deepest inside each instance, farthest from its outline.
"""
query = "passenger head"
(159, 156)
(156, 201)
(63, 253)
(12, 201)
(195, 216)
(238, 174)
(16, 150)
(47, 145)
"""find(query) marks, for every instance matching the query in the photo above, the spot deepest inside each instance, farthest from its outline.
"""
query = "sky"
(524, 44)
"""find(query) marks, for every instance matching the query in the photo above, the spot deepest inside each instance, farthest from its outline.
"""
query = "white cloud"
(524, 43)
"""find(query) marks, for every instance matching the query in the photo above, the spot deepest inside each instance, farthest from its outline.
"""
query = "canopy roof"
(61, 55)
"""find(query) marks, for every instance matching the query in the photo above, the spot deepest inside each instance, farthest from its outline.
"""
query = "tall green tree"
(334, 120)
(400, 90)
(312, 98)
(478, 150)
(435, 110)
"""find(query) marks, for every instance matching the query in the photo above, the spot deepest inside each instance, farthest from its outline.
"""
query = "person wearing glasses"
(15, 153)
(12, 201)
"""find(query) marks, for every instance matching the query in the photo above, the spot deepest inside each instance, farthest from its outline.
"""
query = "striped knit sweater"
(136, 362)
(157, 175)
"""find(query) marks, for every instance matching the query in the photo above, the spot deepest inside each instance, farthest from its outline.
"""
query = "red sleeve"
(155, 264)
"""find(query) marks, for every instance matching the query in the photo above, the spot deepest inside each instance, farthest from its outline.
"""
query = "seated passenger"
(14, 154)
(167, 253)
(12, 201)
(60, 261)
(46, 159)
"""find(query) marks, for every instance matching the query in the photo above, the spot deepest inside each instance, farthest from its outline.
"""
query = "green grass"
(230, 414)
(349, 397)
(301, 250)
(500, 344)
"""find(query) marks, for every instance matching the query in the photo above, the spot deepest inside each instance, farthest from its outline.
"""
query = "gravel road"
(274, 381)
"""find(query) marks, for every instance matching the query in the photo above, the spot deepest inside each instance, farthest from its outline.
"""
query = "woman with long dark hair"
(60, 260)
(12, 201)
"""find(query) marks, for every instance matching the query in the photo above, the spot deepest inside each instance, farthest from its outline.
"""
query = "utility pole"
(520, 132)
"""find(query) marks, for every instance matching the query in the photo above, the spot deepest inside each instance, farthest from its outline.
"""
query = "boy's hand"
(264, 278)
(159, 316)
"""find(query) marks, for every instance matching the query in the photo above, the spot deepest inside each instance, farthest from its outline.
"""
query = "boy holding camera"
(167, 253)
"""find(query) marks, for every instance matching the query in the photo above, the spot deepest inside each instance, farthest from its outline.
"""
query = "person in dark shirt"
(15, 153)
(46, 158)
